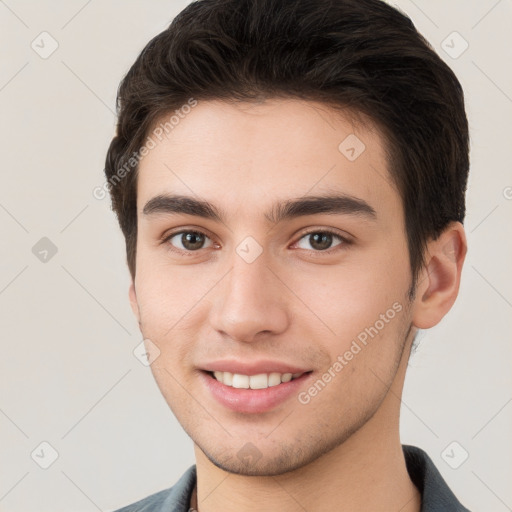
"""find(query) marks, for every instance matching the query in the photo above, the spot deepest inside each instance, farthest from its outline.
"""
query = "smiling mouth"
(259, 381)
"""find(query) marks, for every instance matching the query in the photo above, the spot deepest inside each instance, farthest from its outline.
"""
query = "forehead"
(246, 156)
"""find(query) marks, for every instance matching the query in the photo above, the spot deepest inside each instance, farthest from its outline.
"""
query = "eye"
(321, 240)
(188, 241)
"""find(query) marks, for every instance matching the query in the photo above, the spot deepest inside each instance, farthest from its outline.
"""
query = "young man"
(290, 177)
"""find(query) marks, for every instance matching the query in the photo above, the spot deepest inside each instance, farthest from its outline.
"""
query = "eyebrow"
(307, 205)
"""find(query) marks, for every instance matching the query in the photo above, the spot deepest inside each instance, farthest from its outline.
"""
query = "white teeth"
(260, 381)
(274, 379)
(240, 381)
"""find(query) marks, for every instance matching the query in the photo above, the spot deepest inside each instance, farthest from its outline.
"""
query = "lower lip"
(252, 400)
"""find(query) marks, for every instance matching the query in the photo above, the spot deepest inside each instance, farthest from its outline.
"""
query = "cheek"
(348, 300)
(166, 294)
(173, 304)
(370, 322)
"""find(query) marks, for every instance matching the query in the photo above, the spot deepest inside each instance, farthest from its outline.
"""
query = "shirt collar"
(436, 496)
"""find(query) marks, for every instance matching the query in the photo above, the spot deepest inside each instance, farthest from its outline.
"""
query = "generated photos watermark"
(355, 348)
(161, 131)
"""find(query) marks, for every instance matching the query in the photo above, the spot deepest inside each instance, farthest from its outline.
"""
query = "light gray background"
(68, 374)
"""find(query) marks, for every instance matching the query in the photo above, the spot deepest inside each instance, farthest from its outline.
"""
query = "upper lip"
(252, 367)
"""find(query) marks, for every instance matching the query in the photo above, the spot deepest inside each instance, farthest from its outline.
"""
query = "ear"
(133, 301)
(438, 283)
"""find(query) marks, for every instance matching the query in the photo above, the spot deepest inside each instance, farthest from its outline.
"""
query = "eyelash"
(344, 241)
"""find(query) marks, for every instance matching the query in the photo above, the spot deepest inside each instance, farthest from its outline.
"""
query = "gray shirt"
(435, 493)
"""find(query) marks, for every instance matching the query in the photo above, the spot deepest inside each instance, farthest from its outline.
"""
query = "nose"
(250, 302)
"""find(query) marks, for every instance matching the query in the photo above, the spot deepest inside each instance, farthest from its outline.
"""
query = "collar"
(436, 496)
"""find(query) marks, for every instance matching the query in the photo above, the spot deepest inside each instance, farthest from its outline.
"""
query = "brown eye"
(319, 240)
(189, 240)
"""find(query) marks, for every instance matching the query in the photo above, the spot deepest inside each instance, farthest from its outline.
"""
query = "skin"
(294, 303)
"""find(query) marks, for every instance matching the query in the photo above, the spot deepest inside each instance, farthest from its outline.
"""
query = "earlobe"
(133, 301)
(438, 284)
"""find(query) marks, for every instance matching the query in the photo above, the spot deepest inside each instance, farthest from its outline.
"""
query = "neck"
(366, 472)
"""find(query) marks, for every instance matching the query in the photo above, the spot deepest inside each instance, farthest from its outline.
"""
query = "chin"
(272, 460)
(263, 467)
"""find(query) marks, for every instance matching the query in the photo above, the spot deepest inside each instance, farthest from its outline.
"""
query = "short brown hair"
(363, 55)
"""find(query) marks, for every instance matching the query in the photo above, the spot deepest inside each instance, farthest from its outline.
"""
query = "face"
(271, 242)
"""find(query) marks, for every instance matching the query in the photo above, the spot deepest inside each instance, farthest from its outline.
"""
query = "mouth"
(259, 381)
(257, 393)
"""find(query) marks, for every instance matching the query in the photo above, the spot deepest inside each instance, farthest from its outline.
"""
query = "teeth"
(260, 381)
(227, 378)
(274, 379)
(240, 381)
